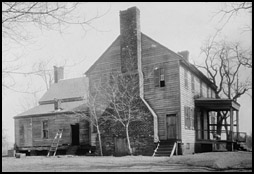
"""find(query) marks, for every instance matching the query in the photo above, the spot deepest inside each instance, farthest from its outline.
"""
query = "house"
(181, 100)
(58, 108)
(178, 101)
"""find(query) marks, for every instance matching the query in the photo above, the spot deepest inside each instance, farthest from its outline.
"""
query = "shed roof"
(66, 89)
(217, 104)
(48, 109)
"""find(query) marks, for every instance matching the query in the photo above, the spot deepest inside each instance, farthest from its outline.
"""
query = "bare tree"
(20, 18)
(44, 15)
(92, 111)
(95, 114)
(231, 9)
(224, 62)
(43, 70)
(125, 105)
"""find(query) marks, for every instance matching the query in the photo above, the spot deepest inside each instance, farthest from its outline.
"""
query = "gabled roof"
(117, 41)
(198, 73)
(114, 42)
(182, 60)
(48, 109)
(66, 89)
(72, 93)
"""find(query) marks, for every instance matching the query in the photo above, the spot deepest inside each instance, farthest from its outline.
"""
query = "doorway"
(171, 126)
(75, 134)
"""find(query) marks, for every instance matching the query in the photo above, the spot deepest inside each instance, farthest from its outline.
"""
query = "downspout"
(141, 93)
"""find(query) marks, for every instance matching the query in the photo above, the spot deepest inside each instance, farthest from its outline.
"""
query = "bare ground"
(206, 162)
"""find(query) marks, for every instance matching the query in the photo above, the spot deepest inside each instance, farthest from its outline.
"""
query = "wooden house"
(181, 100)
(58, 108)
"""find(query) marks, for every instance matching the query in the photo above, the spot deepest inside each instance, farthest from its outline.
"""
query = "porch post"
(208, 125)
(237, 124)
(231, 127)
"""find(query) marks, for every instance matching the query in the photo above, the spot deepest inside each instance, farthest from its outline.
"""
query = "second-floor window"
(192, 83)
(201, 89)
(186, 79)
(159, 77)
(208, 92)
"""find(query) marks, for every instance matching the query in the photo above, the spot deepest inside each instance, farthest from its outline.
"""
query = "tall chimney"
(185, 54)
(130, 39)
(58, 73)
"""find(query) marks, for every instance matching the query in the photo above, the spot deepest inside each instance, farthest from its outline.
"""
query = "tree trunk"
(226, 129)
(99, 136)
(128, 139)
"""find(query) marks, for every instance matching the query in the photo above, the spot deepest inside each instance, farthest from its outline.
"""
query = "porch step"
(165, 148)
(72, 150)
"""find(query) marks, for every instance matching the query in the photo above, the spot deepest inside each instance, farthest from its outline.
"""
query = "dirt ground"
(206, 162)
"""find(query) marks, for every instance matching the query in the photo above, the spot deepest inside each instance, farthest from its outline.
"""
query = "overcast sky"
(178, 26)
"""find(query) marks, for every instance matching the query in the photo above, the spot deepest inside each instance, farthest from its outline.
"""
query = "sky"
(178, 26)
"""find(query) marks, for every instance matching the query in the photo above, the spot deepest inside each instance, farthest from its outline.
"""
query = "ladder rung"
(54, 145)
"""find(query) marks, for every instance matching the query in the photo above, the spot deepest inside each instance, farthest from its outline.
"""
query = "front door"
(171, 126)
(75, 134)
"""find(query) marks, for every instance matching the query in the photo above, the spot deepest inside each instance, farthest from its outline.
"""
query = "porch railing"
(211, 135)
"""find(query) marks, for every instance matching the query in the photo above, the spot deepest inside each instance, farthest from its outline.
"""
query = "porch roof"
(215, 104)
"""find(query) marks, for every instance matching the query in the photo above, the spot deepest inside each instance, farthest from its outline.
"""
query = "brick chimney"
(58, 73)
(130, 39)
(57, 104)
(185, 55)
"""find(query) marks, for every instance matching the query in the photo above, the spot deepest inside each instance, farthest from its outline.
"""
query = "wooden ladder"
(54, 145)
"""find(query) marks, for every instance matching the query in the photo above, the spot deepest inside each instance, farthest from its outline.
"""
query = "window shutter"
(192, 83)
(185, 79)
(156, 77)
(189, 119)
(192, 118)
(185, 117)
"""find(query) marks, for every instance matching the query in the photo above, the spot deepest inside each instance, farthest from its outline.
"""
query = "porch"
(213, 133)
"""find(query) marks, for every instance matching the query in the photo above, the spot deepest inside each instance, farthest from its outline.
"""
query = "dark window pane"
(156, 77)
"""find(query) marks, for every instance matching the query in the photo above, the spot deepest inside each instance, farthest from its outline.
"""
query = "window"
(192, 83)
(159, 77)
(45, 129)
(201, 90)
(208, 92)
(187, 145)
(104, 79)
(189, 117)
(185, 79)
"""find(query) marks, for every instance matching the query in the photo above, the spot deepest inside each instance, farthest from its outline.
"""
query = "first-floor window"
(45, 130)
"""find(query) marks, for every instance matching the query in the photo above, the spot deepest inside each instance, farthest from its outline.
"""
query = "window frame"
(185, 79)
(201, 88)
(189, 118)
(45, 130)
(159, 77)
(192, 83)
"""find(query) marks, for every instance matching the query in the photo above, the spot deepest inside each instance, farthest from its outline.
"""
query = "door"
(121, 148)
(75, 134)
(171, 126)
